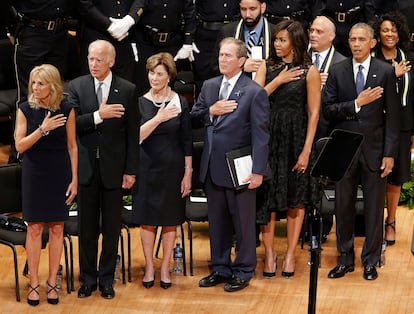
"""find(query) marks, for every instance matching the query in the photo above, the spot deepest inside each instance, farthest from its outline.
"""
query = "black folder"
(240, 162)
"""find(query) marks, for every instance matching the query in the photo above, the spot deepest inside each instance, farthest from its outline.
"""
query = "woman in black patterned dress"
(293, 86)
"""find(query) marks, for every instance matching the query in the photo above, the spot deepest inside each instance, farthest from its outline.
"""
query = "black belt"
(57, 25)
(157, 38)
(212, 26)
(297, 15)
(349, 16)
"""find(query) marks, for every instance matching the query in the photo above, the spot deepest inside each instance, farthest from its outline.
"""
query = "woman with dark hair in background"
(391, 31)
(293, 86)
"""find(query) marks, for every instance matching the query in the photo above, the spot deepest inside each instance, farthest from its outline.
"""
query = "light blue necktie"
(360, 81)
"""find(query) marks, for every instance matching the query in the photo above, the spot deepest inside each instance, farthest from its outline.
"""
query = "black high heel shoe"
(31, 301)
(148, 284)
(287, 274)
(165, 285)
(267, 274)
(389, 225)
(51, 288)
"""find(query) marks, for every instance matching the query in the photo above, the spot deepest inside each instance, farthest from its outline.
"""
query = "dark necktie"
(317, 60)
(99, 93)
(250, 43)
(360, 81)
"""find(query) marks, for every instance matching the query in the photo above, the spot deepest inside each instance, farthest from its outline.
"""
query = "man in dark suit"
(106, 122)
(239, 119)
(252, 19)
(324, 55)
(360, 96)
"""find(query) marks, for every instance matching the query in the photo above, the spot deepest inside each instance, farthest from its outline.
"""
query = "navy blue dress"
(46, 169)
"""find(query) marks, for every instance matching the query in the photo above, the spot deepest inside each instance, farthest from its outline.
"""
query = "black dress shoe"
(107, 292)
(370, 272)
(86, 291)
(165, 285)
(235, 284)
(213, 279)
(340, 270)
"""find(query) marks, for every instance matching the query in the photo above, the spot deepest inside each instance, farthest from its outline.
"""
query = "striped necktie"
(250, 43)
(317, 60)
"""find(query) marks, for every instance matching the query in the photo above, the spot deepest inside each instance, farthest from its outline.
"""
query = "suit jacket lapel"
(113, 90)
(373, 73)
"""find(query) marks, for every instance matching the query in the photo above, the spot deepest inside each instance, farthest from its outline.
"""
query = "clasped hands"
(119, 27)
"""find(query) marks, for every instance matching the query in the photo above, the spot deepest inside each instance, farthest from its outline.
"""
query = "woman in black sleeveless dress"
(45, 134)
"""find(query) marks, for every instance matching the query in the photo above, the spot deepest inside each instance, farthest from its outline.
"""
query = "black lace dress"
(288, 126)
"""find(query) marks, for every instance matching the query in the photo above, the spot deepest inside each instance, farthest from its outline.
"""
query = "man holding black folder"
(235, 111)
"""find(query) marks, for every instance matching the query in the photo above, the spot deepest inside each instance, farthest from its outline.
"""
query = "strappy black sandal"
(389, 225)
(51, 288)
(31, 301)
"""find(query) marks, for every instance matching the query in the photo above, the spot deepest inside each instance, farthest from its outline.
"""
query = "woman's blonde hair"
(51, 75)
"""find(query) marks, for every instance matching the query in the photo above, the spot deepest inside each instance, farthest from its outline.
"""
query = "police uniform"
(165, 26)
(300, 10)
(374, 8)
(95, 15)
(41, 38)
(344, 14)
(211, 15)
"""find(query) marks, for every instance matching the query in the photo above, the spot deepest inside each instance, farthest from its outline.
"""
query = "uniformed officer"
(211, 15)
(40, 36)
(111, 21)
(300, 10)
(165, 26)
(374, 8)
(345, 14)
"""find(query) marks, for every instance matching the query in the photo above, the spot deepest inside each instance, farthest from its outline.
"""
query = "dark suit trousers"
(373, 187)
(232, 212)
(99, 212)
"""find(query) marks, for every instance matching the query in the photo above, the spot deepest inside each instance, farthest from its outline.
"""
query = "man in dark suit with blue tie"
(237, 121)
(360, 96)
(107, 119)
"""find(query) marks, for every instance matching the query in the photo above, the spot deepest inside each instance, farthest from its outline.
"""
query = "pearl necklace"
(165, 99)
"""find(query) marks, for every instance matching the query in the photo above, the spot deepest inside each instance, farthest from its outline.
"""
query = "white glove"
(119, 27)
(186, 52)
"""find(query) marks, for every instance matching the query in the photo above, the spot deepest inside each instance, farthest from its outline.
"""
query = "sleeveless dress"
(156, 196)
(46, 170)
(288, 126)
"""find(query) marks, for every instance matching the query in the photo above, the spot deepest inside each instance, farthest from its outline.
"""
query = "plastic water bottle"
(178, 259)
(59, 278)
(312, 245)
(117, 275)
